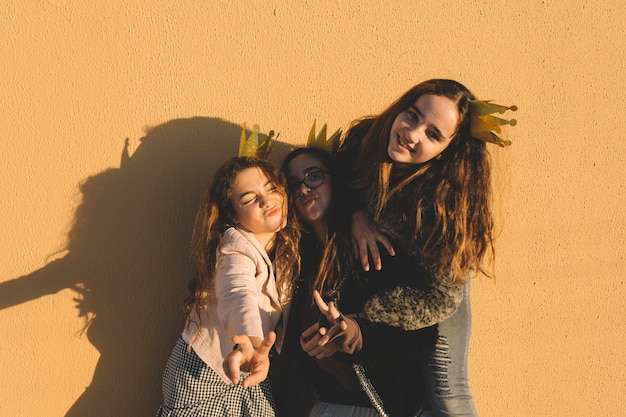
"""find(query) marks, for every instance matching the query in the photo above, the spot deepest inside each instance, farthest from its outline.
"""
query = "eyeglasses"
(312, 180)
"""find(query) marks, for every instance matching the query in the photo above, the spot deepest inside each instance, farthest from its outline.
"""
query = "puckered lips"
(308, 199)
(272, 211)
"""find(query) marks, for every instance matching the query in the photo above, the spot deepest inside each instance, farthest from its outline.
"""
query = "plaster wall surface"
(114, 115)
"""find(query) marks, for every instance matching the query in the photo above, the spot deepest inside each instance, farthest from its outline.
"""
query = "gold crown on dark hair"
(482, 123)
(330, 145)
(251, 145)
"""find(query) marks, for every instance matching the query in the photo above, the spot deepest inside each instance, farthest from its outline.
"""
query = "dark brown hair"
(440, 209)
(334, 263)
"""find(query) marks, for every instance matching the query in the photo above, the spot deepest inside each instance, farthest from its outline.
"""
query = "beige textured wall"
(93, 244)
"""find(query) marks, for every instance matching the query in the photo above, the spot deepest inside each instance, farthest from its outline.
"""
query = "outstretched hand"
(248, 358)
(364, 238)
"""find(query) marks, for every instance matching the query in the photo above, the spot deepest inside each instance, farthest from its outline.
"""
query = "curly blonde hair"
(214, 218)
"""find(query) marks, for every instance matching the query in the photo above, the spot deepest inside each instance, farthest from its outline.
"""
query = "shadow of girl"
(127, 258)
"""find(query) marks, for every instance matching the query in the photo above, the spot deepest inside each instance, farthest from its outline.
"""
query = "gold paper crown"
(482, 122)
(320, 141)
(252, 147)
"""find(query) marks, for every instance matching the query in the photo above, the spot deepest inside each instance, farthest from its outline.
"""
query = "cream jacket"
(245, 300)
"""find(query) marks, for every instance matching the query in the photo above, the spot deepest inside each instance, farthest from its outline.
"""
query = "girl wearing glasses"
(368, 358)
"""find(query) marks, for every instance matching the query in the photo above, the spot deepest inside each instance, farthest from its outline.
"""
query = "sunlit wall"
(115, 114)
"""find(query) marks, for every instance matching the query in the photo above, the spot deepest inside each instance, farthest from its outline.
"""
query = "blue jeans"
(445, 371)
(322, 409)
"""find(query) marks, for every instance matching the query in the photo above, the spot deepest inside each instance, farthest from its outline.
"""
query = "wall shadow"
(127, 259)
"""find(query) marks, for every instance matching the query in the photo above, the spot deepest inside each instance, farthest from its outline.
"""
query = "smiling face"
(258, 204)
(311, 204)
(424, 130)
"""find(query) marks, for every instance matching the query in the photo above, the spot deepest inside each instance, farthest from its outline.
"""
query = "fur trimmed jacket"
(403, 304)
(399, 305)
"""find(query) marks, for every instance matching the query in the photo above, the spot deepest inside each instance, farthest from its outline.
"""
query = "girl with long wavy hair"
(245, 246)
(419, 183)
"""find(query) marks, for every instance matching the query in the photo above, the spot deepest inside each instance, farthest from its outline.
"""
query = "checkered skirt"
(193, 389)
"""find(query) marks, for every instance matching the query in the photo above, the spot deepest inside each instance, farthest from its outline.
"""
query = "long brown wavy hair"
(214, 218)
(442, 209)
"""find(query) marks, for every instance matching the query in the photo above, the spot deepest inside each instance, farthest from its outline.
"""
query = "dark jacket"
(385, 365)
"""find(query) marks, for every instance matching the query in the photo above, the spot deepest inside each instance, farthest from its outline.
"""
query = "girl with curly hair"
(245, 246)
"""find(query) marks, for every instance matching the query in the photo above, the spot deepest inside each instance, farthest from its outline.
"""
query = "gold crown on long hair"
(251, 145)
(330, 145)
(482, 123)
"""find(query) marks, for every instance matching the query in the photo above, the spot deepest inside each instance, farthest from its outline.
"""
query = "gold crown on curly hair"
(482, 123)
(251, 145)
(320, 140)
